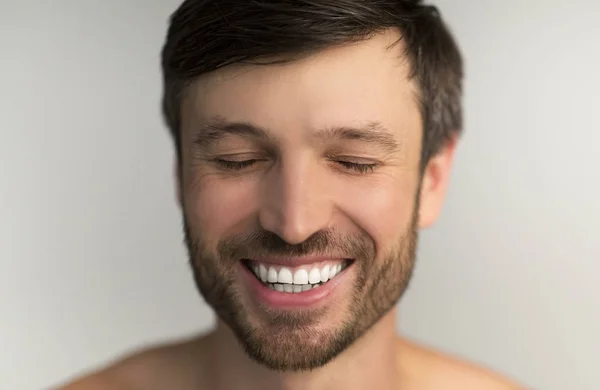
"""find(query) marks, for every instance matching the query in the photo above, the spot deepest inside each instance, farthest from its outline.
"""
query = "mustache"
(329, 243)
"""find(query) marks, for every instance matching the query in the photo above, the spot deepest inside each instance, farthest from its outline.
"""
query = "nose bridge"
(295, 203)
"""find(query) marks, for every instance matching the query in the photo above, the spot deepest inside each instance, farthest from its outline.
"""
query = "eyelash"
(235, 165)
(360, 168)
(239, 165)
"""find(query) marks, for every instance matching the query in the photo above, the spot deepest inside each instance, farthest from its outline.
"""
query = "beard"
(303, 339)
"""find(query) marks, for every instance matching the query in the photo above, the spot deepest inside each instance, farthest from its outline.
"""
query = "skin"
(296, 191)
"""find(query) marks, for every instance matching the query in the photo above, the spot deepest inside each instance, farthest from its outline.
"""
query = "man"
(314, 139)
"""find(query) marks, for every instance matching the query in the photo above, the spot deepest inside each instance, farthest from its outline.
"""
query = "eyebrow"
(218, 128)
(373, 132)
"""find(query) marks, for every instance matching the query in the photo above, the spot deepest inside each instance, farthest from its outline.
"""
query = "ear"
(435, 183)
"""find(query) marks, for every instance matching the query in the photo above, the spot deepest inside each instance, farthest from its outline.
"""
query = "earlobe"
(434, 184)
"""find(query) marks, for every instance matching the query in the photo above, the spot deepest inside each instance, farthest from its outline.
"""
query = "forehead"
(351, 85)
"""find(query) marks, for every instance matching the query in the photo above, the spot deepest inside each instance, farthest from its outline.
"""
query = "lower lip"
(282, 300)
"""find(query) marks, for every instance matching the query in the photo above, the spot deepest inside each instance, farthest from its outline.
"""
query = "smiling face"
(300, 189)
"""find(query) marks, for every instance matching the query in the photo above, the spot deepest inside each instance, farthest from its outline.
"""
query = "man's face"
(299, 187)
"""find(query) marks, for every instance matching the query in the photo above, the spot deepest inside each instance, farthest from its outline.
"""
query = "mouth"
(298, 279)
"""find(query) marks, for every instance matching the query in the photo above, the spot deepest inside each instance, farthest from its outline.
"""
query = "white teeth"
(314, 276)
(324, 274)
(285, 276)
(272, 276)
(301, 277)
(301, 280)
(263, 273)
(332, 272)
(292, 288)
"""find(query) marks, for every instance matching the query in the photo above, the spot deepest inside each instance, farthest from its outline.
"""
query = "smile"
(298, 279)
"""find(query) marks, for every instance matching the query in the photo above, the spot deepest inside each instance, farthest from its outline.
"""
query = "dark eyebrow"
(374, 133)
(218, 127)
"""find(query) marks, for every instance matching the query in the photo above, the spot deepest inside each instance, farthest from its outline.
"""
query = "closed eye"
(235, 165)
(240, 165)
(360, 168)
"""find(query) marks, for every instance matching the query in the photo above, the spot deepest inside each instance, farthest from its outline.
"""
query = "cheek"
(383, 209)
(218, 207)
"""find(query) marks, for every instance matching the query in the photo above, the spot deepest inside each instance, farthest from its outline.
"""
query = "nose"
(295, 203)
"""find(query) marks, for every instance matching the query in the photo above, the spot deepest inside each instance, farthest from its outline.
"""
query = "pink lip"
(281, 300)
(295, 261)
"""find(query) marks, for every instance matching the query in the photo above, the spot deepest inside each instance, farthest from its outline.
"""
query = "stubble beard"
(302, 340)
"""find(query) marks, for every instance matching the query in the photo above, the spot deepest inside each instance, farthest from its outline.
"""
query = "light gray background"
(91, 261)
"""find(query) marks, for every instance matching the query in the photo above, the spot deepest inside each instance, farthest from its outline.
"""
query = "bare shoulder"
(159, 367)
(96, 381)
(435, 370)
(456, 374)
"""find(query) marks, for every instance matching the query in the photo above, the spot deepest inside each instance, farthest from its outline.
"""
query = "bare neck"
(371, 362)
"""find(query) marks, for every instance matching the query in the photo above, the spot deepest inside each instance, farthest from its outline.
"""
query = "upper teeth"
(302, 275)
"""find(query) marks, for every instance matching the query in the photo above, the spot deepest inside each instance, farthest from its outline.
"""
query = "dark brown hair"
(205, 35)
